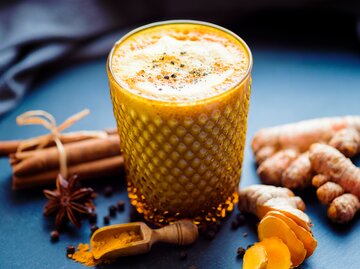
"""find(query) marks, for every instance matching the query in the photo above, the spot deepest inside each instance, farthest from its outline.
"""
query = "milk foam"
(173, 69)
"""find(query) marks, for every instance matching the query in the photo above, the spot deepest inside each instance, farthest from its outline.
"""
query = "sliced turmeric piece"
(271, 226)
(304, 236)
(298, 216)
(278, 253)
(252, 196)
(259, 199)
(255, 258)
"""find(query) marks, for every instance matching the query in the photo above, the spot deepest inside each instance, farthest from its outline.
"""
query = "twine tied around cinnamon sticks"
(47, 120)
(36, 162)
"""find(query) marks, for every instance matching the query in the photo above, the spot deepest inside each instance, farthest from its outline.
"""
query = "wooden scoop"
(182, 232)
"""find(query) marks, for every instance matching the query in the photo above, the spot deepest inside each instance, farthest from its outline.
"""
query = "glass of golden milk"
(180, 92)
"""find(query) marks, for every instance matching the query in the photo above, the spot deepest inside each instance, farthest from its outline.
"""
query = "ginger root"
(281, 151)
(338, 182)
(255, 257)
(278, 253)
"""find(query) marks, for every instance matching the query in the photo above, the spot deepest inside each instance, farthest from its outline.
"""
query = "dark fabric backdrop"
(41, 35)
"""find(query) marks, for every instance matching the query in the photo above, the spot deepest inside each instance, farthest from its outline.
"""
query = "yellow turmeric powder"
(110, 241)
(84, 255)
(113, 241)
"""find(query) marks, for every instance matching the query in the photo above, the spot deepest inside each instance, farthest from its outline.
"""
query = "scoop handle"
(182, 232)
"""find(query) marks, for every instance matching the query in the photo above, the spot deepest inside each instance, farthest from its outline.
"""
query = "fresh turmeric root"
(256, 257)
(303, 235)
(281, 215)
(337, 180)
(278, 253)
(271, 226)
(260, 199)
(271, 253)
(281, 151)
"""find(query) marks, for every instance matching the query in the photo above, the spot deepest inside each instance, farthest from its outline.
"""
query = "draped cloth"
(38, 34)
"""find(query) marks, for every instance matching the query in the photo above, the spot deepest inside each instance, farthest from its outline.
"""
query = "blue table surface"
(287, 86)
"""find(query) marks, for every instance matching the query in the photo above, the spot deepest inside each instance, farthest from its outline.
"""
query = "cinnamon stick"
(9, 147)
(42, 160)
(89, 170)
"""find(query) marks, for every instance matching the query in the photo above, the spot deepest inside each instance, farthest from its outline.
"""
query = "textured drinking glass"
(183, 159)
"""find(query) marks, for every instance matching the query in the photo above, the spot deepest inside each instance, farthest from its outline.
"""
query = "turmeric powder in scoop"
(106, 243)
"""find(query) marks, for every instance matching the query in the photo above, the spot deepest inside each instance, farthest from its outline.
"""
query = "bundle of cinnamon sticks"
(88, 156)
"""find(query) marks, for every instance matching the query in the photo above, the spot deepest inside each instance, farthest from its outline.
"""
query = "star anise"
(69, 201)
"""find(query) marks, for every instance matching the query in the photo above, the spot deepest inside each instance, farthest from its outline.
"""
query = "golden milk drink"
(180, 93)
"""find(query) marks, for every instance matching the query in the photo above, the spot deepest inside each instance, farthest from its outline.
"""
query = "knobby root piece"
(252, 196)
(337, 175)
(271, 170)
(274, 227)
(343, 208)
(319, 180)
(274, 148)
(300, 135)
(255, 258)
(303, 235)
(295, 202)
(260, 199)
(347, 141)
(278, 253)
(298, 174)
(264, 153)
(331, 163)
(327, 192)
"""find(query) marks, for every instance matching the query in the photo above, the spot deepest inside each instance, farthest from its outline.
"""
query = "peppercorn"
(183, 255)
(240, 252)
(121, 206)
(166, 77)
(54, 236)
(108, 191)
(182, 65)
(93, 228)
(234, 224)
(92, 218)
(241, 219)
(173, 76)
(70, 250)
(107, 220)
(245, 234)
(112, 210)
(210, 235)
(172, 62)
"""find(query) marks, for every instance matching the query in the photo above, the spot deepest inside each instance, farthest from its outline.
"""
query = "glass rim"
(166, 22)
